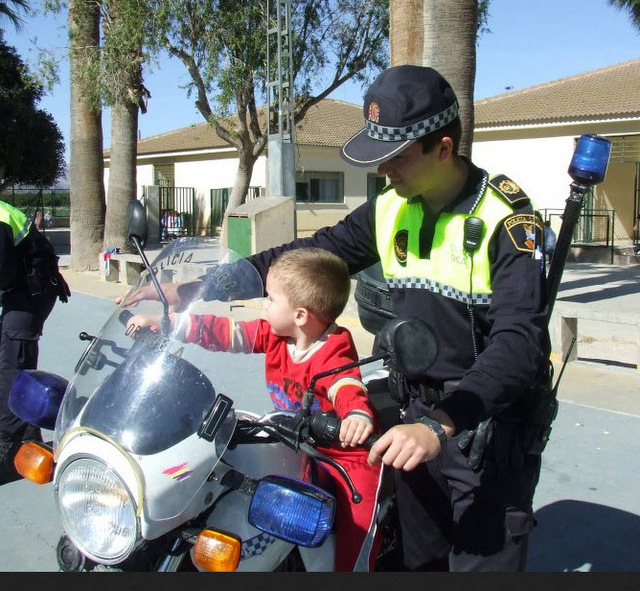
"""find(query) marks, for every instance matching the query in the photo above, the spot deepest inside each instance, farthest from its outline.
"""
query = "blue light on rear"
(590, 159)
(292, 510)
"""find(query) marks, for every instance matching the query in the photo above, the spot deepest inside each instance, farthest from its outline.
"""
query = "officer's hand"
(179, 295)
(405, 446)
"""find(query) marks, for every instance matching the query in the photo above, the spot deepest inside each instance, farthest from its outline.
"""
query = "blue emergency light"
(590, 159)
(293, 510)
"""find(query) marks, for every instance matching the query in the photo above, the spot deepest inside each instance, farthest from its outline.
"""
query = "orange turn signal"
(34, 463)
(217, 552)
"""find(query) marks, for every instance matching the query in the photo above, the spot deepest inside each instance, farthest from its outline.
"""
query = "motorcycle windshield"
(149, 380)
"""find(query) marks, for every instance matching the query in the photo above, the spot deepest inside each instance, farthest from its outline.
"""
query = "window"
(320, 187)
(164, 175)
(375, 184)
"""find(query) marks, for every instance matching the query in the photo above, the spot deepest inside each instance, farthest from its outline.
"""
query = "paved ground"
(587, 502)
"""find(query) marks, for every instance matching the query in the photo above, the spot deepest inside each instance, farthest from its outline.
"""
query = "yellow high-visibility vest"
(448, 270)
(16, 220)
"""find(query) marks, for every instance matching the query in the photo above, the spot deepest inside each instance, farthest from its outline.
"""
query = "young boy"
(307, 289)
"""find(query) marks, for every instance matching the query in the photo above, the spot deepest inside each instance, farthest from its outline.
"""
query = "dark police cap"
(403, 104)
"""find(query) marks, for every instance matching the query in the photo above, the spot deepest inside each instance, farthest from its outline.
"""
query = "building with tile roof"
(530, 134)
(195, 158)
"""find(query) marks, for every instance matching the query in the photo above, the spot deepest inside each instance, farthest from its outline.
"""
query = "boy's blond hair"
(315, 279)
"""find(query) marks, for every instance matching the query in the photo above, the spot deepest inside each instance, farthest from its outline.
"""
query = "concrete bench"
(565, 326)
(125, 268)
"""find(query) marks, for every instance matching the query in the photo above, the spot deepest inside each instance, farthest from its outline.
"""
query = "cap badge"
(374, 112)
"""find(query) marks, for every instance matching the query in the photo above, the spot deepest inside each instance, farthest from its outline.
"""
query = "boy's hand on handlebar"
(354, 430)
(138, 321)
(405, 446)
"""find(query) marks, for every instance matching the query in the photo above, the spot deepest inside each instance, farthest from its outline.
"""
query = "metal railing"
(219, 200)
(595, 227)
(52, 203)
(177, 212)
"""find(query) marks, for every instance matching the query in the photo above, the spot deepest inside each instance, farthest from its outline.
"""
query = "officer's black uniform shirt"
(33, 251)
(511, 332)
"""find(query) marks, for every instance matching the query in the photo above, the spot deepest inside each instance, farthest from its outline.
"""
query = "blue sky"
(531, 42)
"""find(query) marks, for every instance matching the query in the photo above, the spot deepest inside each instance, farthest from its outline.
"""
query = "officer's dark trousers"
(453, 518)
(22, 320)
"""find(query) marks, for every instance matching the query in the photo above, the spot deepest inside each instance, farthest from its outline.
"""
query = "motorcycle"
(167, 456)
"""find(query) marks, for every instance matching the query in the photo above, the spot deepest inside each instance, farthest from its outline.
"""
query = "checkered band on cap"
(411, 132)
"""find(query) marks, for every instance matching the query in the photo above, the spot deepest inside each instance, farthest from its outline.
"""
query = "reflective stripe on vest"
(16, 220)
(448, 270)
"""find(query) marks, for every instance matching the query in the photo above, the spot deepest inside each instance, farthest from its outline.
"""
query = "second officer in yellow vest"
(30, 283)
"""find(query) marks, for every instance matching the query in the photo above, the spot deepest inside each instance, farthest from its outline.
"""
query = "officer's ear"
(446, 148)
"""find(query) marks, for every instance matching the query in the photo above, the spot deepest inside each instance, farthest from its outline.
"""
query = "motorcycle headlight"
(97, 510)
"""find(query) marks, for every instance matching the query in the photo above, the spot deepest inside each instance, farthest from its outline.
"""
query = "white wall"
(539, 166)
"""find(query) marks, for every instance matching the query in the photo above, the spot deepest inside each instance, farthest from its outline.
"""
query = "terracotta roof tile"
(607, 93)
(328, 123)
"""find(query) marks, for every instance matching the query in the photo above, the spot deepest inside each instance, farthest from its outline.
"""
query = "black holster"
(542, 408)
(34, 281)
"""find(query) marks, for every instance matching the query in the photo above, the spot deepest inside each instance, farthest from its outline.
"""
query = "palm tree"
(9, 9)
(450, 30)
(122, 58)
(86, 166)
(441, 34)
(632, 6)
(405, 32)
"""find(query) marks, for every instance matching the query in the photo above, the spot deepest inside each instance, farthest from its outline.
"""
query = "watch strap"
(435, 426)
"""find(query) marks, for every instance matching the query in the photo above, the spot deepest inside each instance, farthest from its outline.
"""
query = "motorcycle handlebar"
(324, 428)
(125, 316)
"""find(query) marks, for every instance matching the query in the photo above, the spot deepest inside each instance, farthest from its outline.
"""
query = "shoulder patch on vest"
(509, 190)
(525, 230)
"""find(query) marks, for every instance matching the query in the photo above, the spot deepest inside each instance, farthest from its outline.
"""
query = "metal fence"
(594, 226)
(177, 212)
(52, 203)
(219, 200)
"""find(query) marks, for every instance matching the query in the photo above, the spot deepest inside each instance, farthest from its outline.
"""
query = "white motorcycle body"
(132, 463)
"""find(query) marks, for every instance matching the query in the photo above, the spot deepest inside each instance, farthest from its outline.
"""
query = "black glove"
(476, 441)
(64, 293)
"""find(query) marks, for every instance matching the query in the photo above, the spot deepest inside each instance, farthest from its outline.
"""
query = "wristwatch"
(435, 426)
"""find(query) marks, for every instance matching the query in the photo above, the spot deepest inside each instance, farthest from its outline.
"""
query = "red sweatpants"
(352, 519)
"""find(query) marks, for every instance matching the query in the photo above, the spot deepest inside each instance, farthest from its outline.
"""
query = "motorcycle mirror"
(137, 222)
(138, 234)
(409, 344)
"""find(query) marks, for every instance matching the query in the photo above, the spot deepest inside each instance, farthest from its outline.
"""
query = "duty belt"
(431, 392)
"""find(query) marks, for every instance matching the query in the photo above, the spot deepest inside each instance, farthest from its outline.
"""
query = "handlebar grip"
(368, 443)
(125, 316)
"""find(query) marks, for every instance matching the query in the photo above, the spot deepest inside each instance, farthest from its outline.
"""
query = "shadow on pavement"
(580, 536)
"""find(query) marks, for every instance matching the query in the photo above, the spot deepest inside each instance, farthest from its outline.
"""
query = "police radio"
(473, 230)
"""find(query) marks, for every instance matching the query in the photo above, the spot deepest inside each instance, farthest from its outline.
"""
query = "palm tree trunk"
(86, 166)
(405, 32)
(450, 28)
(122, 172)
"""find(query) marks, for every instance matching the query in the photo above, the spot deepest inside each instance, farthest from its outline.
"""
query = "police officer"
(30, 282)
(464, 251)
